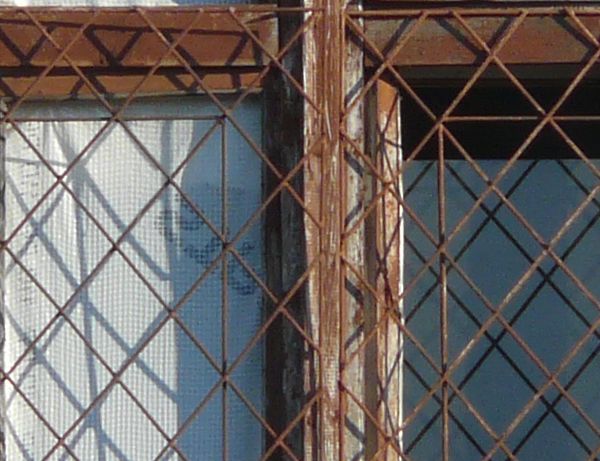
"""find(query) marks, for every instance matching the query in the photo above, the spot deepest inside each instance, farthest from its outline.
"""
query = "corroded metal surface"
(483, 41)
(443, 39)
(335, 301)
(118, 48)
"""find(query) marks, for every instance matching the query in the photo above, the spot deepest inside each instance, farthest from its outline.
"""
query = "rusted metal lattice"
(112, 59)
(405, 156)
(489, 99)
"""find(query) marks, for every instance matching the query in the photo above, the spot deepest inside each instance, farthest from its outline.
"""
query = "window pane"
(550, 312)
(119, 250)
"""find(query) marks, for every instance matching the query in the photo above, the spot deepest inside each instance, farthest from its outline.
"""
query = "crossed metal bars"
(173, 50)
(408, 24)
(352, 21)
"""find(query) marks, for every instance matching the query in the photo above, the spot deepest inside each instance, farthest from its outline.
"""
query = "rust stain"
(123, 39)
(442, 40)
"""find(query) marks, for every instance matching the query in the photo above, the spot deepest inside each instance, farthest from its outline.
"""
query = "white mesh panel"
(117, 311)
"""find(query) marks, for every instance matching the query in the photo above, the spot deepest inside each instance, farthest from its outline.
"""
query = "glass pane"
(121, 310)
(547, 308)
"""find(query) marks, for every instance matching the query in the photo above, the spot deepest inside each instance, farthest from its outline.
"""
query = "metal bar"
(526, 275)
(275, 62)
(397, 49)
(226, 111)
(120, 117)
(495, 345)
(531, 297)
(224, 287)
(62, 54)
(58, 181)
(443, 286)
(335, 213)
(120, 40)
(547, 249)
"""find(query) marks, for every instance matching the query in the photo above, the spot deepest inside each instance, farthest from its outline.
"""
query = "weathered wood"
(353, 371)
(331, 213)
(124, 39)
(313, 147)
(323, 182)
(2, 284)
(167, 81)
(288, 356)
(119, 48)
(383, 241)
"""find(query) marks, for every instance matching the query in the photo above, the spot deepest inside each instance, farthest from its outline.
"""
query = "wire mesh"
(155, 349)
(496, 195)
(442, 301)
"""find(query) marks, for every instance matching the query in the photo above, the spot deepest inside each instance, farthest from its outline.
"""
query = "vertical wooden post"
(352, 357)
(384, 238)
(334, 190)
(324, 61)
(313, 146)
(285, 244)
(332, 216)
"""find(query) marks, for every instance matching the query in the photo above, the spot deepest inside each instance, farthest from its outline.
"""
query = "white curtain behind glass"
(170, 246)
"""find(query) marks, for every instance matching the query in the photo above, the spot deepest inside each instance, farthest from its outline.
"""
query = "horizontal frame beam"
(118, 48)
(544, 39)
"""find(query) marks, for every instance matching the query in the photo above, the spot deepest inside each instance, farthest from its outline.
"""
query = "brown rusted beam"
(118, 48)
(442, 41)
(166, 81)
(123, 39)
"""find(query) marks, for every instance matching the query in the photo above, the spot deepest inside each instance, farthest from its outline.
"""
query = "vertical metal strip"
(3, 109)
(224, 283)
(443, 286)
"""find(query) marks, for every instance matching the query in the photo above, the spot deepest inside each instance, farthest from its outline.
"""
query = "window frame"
(100, 53)
(317, 382)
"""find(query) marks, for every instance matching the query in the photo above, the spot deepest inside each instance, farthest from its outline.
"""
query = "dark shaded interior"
(515, 118)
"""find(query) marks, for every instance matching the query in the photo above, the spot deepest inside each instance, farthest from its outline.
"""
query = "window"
(116, 248)
(543, 315)
(496, 190)
(134, 257)
(375, 293)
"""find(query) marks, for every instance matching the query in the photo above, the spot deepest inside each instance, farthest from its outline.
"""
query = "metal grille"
(480, 126)
(369, 254)
(113, 59)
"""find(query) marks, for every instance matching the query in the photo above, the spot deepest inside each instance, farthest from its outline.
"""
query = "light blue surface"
(549, 325)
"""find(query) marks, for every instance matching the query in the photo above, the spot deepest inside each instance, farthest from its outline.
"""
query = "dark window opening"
(541, 305)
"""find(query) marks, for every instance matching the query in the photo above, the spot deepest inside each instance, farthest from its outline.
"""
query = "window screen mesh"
(398, 254)
(117, 250)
